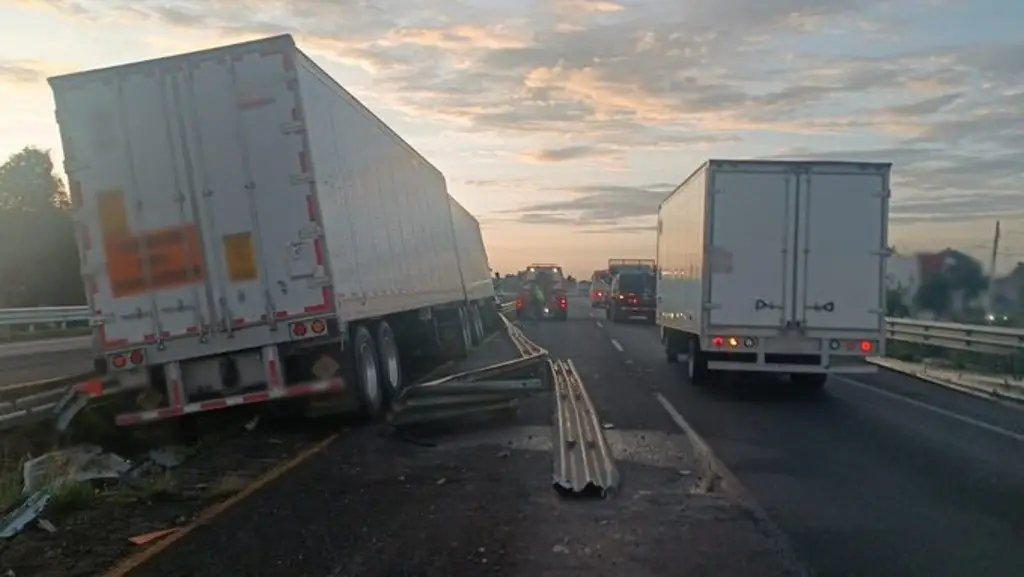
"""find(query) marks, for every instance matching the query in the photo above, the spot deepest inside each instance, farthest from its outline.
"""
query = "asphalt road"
(880, 475)
(28, 361)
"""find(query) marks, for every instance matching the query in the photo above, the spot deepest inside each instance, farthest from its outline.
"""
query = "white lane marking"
(616, 344)
(599, 325)
(678, 418)
(937, 410)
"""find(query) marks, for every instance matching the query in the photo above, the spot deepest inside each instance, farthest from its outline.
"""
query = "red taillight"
(718, 341)
(136, 357)
(299, 329)
(865, 346)
(119, 361)
(519, 303)
(563, 303)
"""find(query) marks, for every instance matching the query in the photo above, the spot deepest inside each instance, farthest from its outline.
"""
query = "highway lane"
(480, 501)
(28, 361)
(880, 475)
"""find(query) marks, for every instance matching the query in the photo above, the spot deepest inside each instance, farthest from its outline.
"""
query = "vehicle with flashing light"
(249, 231)
(775, 266)
(543, 294)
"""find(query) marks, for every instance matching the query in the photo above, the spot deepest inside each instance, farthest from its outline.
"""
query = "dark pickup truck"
(633, 294)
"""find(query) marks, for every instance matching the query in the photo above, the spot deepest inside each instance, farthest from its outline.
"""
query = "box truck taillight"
(734, 342)
(127, 360)
(519, 303)
(865, 347)
(563, 302)
(303, 329)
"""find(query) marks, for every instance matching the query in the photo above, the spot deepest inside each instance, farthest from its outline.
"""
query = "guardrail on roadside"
(30, 318)
(978, 338)
(975, 338)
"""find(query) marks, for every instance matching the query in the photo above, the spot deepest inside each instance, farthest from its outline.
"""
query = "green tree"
(960, 276)
(39, 264)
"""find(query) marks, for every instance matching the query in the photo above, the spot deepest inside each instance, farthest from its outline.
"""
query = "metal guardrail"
(34, 316)
(976, 338)
(44, 316)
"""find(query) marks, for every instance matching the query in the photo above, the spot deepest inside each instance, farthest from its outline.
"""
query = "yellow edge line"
(213, 511)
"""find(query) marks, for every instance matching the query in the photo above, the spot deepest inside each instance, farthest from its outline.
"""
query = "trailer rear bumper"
(791, 368)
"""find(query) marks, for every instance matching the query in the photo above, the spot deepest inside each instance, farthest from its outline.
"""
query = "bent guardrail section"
(583, 459)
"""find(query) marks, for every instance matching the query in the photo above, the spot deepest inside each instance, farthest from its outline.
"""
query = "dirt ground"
(93, 526)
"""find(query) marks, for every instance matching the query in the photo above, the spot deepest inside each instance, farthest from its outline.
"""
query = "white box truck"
(775, 267)
(249, 231)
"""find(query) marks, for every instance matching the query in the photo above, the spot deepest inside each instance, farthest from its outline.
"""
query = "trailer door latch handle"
(761, 304)
(827, 307)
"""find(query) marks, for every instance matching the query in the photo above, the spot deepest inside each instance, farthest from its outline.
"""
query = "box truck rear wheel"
(697, 364)
(390, 360)
(366, 367)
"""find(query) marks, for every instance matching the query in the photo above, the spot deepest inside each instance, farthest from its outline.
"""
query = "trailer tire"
(366, 373)
(697, 364)
(477, 324)
(466, 331)
(390, 360)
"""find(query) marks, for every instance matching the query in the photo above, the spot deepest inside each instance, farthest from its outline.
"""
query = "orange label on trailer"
(174, 257)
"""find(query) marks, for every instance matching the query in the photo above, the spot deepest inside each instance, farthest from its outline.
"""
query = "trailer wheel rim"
(371, 378)
(389, 352)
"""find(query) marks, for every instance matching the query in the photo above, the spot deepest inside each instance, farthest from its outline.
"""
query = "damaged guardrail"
(583, 461)
(492, 388)
(583, 458)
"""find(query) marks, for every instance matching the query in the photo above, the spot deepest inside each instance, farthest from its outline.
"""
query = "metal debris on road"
(492, 388)
(583, 459)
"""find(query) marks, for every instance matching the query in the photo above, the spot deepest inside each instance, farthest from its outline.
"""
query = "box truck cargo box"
(775, 267)
(249, 230)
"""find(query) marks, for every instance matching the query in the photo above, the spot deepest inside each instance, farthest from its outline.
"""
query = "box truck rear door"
(750, 254)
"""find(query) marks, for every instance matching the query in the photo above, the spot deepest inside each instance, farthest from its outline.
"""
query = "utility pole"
(989, 295)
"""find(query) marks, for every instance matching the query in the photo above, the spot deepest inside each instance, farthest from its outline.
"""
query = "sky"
(562, 124)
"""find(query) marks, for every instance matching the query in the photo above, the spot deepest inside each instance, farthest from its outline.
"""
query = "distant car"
(633, 294)
(600, 282)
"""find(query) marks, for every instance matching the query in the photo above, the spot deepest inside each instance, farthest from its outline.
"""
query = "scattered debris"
(63, 479)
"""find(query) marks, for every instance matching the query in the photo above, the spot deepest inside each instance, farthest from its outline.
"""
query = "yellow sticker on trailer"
(241, 258)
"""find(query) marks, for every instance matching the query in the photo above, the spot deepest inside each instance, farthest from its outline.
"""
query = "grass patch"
(10, 484)
(71, 496)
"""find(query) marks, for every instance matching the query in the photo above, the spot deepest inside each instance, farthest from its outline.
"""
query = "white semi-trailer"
(249, 231)
(775, 267)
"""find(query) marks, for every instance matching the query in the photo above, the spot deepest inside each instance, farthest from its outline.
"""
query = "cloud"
(598, 208)
(16, 72)
(648, 80)
(569, 153)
